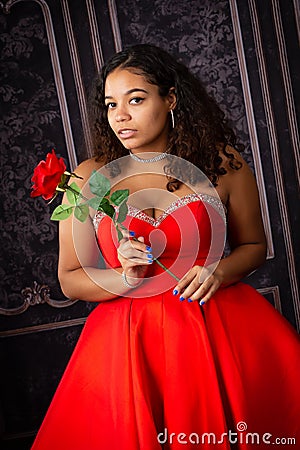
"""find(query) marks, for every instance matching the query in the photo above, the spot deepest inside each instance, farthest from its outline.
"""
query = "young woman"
(197, 362)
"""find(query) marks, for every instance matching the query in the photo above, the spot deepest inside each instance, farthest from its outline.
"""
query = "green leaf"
(62, 212)
(81, 212)
(95, 202)
(119, 196)
(107, 208)
(71, 195)
(104, 202)
(98, 203)
(123, 210)
(99, 184)
(120, 235)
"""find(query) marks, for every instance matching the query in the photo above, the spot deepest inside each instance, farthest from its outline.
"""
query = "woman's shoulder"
(238, 175)
(86, 167)
(234, 164)
(232, 160)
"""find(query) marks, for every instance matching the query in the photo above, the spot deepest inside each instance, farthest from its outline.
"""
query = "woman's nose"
(122, 115)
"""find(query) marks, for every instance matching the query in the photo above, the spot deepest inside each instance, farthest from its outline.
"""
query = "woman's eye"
(110, 105)
(136, 100)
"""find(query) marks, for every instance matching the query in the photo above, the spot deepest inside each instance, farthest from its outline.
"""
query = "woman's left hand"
(199, 283)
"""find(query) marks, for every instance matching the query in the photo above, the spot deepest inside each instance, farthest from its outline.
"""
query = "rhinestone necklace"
(149, 160)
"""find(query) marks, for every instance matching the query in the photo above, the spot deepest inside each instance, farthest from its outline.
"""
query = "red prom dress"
(152, 372)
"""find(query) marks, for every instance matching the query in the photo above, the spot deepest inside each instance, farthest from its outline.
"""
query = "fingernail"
(150, 261)
(202, 303)
(190, 300)
(181, 298)
(175, 292)
(149, 255)
(131, 233)
(149, 249)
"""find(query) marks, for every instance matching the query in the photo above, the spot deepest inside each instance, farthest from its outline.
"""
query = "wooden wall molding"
(43, 327)
(115, 24)
(37, 294)
(274, 291)
(95, 36)
(287, 84)
(251, 125)
(275, 154)
(77, 74)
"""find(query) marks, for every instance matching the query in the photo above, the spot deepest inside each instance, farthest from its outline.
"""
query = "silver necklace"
(149, 160)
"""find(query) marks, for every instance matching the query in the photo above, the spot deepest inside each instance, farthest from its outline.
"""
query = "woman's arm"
(79, 256)
(245, 234)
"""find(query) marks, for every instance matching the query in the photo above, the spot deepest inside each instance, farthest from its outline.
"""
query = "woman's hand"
(135, 257)
(199, 283)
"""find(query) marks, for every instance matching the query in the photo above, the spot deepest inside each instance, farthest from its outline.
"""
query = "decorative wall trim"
(274, 290)
(113, 14)
(35, 295)
(297, 17)
(94, 34)
(288, 90)
(77, 73)
(286, 231)
(251, 124)
(43, 327)
(14, 436)
(57, 76)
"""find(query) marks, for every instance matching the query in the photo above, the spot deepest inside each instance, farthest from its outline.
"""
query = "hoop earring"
(172, 118)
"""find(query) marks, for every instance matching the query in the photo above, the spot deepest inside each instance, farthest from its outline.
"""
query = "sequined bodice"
(191, 230)
(189, 198)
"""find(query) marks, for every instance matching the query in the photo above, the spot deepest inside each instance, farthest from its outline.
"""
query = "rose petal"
(47, 175)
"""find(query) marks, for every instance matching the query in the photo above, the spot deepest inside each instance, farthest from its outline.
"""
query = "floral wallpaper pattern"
(30, 116)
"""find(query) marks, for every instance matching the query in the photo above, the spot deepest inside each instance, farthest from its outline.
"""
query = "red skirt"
(158, 373)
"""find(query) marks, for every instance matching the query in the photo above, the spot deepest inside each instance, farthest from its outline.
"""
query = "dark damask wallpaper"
(35, 345)
(30, 124)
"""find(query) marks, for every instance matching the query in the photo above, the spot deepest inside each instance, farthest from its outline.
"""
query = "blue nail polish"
(202, 303)
(149, 255)
(175, 292)
(190, 300)
(149, 249)
(181, 298)
(131, 233)
(150, 261)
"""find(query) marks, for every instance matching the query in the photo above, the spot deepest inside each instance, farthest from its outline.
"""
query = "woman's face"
(136, 112)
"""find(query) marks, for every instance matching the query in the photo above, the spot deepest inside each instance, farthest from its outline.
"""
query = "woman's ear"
(172, 98)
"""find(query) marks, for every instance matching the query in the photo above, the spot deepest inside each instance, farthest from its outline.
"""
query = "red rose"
(47, 176)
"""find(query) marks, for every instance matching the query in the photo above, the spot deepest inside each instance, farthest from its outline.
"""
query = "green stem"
(166, 269)
(78, 194)
(72, 174)
(159, 263)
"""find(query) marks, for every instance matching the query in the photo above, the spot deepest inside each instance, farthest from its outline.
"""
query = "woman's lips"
(126, 133)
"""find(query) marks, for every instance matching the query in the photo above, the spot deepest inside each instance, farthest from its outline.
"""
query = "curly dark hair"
(201, 130)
